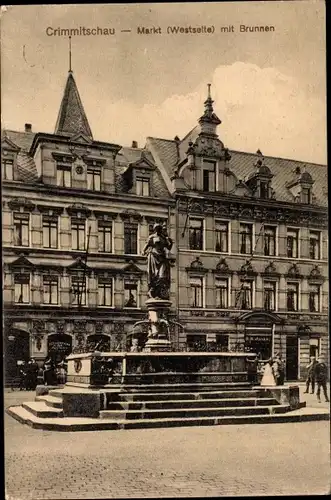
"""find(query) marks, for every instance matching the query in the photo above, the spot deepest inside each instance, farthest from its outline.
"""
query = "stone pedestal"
(158, 328)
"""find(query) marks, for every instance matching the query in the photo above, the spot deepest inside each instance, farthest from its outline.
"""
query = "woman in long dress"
(158, 266)
(268, 378)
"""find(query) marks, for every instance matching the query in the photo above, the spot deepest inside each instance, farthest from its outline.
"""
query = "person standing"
(278, 370)
(321, 377)
(268, 378)
(311, 375)
(252, 365)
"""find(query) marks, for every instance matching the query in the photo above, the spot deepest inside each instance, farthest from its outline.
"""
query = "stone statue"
(158, 265)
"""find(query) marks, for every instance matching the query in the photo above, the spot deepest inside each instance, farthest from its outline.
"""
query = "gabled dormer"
(259, 181)
(301, 187)
(138, 177)
(8, 159)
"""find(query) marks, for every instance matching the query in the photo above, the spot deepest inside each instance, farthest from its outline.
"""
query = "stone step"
(161, 396)
(88, 424)
(195, 387)
(192, 412)
(51, 401)
(41, 410)
(193, 403)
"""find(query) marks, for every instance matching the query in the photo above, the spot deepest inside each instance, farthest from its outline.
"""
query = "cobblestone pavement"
(249, 460)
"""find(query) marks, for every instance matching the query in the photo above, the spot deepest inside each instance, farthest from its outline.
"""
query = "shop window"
(196, 342)
(130, 294)
(21, 229)
(221, 236)
(246, 238)
(222, 342)
(196, 234)
(196, 286)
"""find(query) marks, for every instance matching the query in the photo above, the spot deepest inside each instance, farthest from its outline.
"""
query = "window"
(105, 236)
(196, 285)
(51, 292)
(22, 288)
(209, 176)
(142, 185)
(93, 179)
(8, 169)
(221, 236)
(292, 243)
(292, 296)
(196, 342)
(314, 347)
(78, 291)
(314, 298)
(130, 294)
(222, 342)
(247, 295)
(105, 293)
(196, 234)
(269, 240)
(264, 189)
(315, 245)
(269, 295)
(306, 195)
(246, 238)
(78, 235)
(222, 293)
(21, 230)
(130, 238)
(63, 175)
(50, 232)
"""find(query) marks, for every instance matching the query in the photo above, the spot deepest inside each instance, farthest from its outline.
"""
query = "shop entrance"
(259, 342)
(17, 348)
(292, 354)
(59, 347)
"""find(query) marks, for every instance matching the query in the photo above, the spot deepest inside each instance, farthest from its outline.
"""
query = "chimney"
(28, 127)
(134, 144)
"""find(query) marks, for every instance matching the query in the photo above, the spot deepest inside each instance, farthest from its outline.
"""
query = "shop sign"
(59, 346)
(258, 338)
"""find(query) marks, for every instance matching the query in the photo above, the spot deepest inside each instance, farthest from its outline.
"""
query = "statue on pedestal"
(158, 265)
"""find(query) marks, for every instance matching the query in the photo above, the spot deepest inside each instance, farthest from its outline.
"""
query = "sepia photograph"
(165, 250)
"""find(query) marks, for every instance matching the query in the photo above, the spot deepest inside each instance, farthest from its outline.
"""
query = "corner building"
(76, 215)
(252, 247)
(249, 261)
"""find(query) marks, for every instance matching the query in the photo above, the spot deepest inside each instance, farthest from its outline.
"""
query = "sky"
(269, 88)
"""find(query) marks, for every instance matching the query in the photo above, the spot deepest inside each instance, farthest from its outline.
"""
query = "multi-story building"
(250, 233)
(252, 247)
(76, 215)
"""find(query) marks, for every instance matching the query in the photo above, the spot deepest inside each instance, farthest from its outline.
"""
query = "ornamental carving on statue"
(222, 267)
(80, 326)
(38, 326)
(38, 340)
(61, 326)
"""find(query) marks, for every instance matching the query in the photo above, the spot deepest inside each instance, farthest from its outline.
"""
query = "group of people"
(28, 373)
(317, 373)
(31, 374)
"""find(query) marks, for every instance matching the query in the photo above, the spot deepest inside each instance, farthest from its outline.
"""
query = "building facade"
(76, 215)
(249, 261)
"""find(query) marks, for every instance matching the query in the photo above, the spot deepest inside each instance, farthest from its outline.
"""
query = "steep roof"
(72, 118)
(242, 165)
(26, 170)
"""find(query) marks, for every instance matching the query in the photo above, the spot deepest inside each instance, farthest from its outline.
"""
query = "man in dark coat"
(321, 377)
(311, 375)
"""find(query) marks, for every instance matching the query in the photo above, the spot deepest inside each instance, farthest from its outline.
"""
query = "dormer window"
(306, 195)
(209, 176)
(94, 179)
(63, 175)
(8, 169)
(143, 186)
(264, 190)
